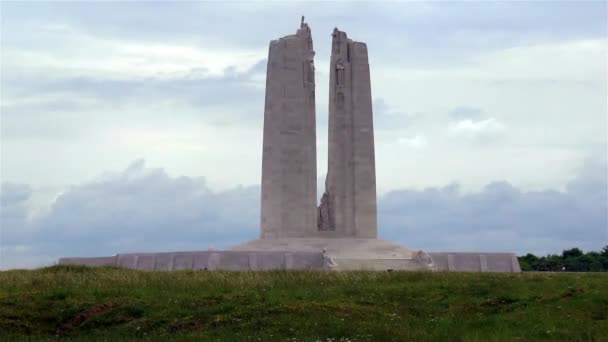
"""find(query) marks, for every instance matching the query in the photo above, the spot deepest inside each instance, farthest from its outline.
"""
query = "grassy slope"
(86, 303)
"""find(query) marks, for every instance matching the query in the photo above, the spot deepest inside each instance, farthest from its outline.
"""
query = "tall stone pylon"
(289, 166)
(348, 206)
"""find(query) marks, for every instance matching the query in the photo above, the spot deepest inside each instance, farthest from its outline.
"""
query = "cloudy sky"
(138, 126)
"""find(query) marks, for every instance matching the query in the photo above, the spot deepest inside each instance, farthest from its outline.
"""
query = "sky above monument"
(138, 126)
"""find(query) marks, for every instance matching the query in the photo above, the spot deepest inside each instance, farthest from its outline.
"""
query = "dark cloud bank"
(144, 209)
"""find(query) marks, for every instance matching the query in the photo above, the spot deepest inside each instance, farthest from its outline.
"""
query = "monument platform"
(475, 262)
(336, 254)
(206, 260)
(347, 253)
(339, 254)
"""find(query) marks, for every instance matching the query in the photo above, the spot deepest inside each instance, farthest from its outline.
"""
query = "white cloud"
(139, 208)
(144, 209)
(571, 61)
(480, 130)
(416, 141)
(501, 217)
(534, 112)
(79, 54)
(162, 84)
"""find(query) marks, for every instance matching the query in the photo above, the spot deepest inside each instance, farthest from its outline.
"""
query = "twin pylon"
(289, 166)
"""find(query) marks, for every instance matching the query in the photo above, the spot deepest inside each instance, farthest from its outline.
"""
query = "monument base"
(475, 262)
(206, 260)
(339, 254)
(347, 253)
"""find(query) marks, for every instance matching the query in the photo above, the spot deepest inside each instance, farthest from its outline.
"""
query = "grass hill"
(115, 304)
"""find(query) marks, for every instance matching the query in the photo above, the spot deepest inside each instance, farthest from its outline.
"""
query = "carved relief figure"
(308, 72)
(340, 73)
(323, 219)
(336, 42)
(311, 71)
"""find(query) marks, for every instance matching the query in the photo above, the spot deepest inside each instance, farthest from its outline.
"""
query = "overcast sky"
(138, 126)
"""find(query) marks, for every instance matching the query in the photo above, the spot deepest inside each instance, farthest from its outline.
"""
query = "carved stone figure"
(340, 73)
(328, 262)
(324, 219)
(309, 71)
(336, 40)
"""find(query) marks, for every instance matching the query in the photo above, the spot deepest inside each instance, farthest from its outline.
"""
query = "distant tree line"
(571, 260)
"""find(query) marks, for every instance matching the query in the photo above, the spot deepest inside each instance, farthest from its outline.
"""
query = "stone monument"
(289, 157)
(348, 206)
(342, 233)
(344, 227)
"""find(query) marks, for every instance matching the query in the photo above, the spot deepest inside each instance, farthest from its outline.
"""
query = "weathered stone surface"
(309, 254)
(183, 261)
(127, 260)
(207, 260)
(269, 260)
(475, 262)
(348, 206)
(289, 166)
(163, 262)
(146, 262)
(344, 253)
(201, 261)
(234, 261)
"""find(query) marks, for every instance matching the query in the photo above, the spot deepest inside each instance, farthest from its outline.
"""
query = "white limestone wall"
(207, 260)
(351, 176)
(364, 163)
(289, 167)
(475, 262)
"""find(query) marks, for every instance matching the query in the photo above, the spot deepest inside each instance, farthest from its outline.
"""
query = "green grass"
(113, 304)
